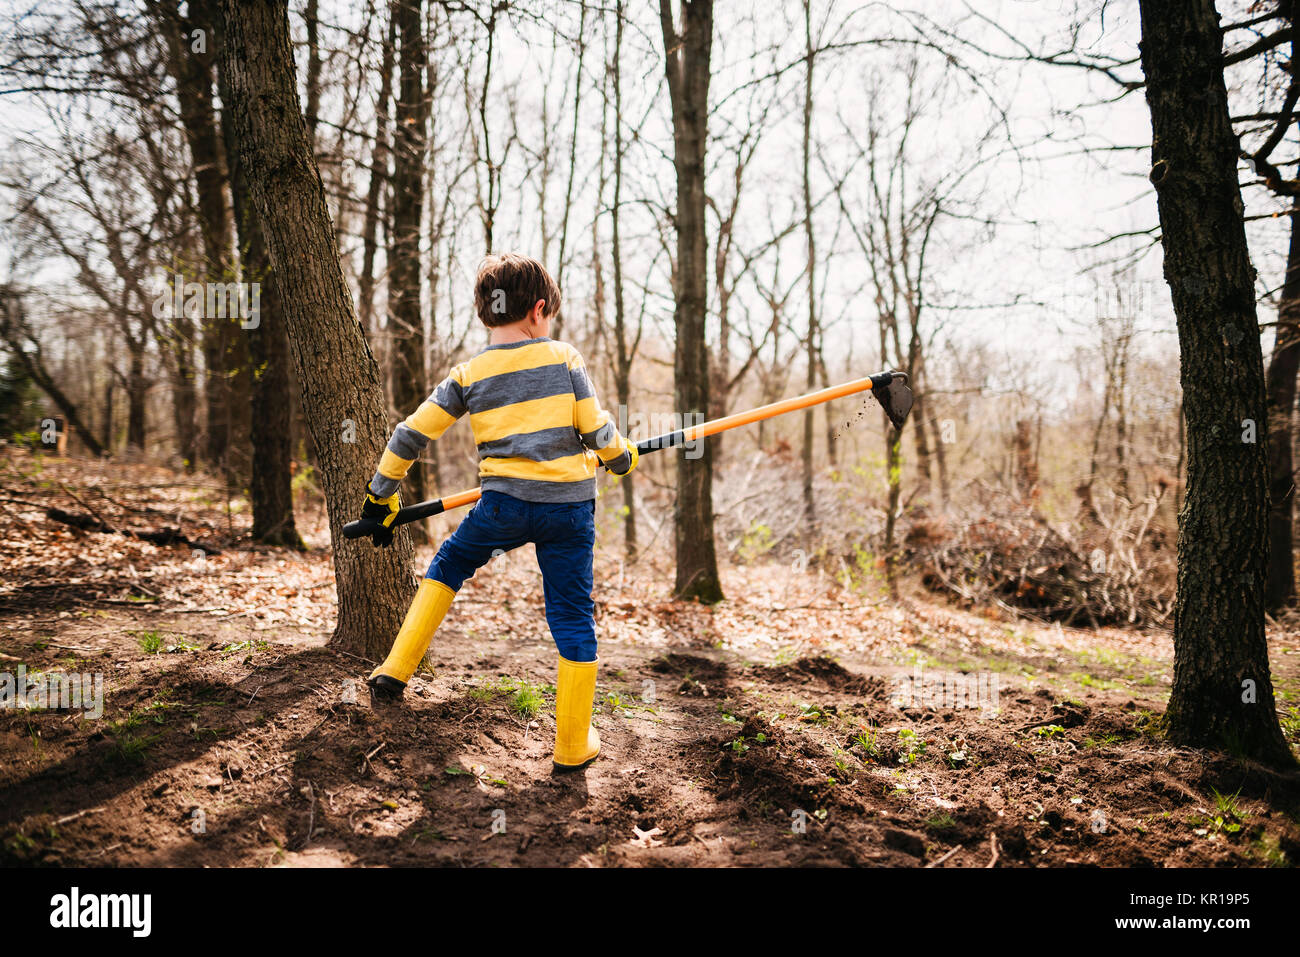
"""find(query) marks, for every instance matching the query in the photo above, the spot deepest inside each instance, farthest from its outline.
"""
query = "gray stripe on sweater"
(580, 382)
(381, 486)
(523, 385)
(543, 445)
(602, 438)
(450, 397)
(407, 442)
(531, 490)
(621, 465)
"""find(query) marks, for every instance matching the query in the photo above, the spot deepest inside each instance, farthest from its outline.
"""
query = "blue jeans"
(565, 536)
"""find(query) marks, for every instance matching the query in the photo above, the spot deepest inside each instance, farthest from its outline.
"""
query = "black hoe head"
(891, 391)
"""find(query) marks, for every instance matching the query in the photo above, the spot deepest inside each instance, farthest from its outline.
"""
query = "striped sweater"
(537, 423)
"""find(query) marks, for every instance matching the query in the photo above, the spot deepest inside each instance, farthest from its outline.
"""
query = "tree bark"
(137, 390)
(337, 373)
(623, 356)
(224, 351)
(405, 320)
(686, 57)
(557, 323)
(810, 276)
(940, 456)
(1222, 694)
(1281, 385)
(921, 436)
(271, 401)
(378, 177)
(107, 439)
(1026, 464)
(179, 346)
(311, 20)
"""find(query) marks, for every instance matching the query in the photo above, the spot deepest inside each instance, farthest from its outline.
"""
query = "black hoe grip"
(412, 513)
(668, 440)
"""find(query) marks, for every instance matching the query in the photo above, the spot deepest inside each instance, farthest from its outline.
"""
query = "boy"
(536, 423)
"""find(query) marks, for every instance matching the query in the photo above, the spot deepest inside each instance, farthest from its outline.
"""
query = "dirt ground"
(769, 730)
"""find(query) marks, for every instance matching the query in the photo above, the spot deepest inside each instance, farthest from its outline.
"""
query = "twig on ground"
(945, 857)
(72, 817)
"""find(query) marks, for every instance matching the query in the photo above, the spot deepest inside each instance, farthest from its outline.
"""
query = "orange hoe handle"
(883, 382)
(773, 409)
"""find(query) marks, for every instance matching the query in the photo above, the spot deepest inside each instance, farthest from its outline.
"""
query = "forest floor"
(768, 730)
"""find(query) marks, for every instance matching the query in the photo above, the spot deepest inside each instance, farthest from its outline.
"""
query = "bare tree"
(624, 351)
(379, 177)
(1222, 693)
(407, 343)
(686, 60)
(344, 408)
(271, 406)
(190, 45)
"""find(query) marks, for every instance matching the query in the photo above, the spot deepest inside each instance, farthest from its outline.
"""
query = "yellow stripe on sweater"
(393, 466)
(498, 361)
(534, 415)
(430, 419)
(590, 417)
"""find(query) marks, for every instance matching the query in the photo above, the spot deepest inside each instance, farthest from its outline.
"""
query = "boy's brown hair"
(508, 284)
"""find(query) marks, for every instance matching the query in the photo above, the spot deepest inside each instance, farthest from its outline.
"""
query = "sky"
(1010, 269)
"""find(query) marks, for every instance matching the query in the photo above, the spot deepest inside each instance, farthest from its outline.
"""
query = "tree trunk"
(557, 324)
(437, 227)
(894, 462)
(1281, 385)
(179, 345)
(1121, 417)
(686, 59)
(1222, 693)
(378, 177)
(405, 319)
(1025, 476)
(137, 391)
(311, 20)
(224, 352)
(810, 275)
(271, 482)
(940, 456)
(271, 400)
(107, 440)
(623, 358)
(828, 408)
(337, 373)
(921, 431)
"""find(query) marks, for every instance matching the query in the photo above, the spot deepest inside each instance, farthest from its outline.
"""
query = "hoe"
(889, 389)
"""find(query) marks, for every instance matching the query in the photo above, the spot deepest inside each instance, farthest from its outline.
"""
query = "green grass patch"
(150, 642)
(527, 701)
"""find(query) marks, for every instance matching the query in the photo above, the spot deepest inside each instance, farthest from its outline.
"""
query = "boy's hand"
(383, 512)
(636, 457)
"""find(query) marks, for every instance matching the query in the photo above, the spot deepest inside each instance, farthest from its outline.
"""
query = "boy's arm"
(434, 416)
(595, 426)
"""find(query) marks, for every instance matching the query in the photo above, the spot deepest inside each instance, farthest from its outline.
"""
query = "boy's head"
(508, 288)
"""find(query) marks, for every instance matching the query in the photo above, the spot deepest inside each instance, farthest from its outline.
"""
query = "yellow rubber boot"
(576, 741)
(422, 620)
